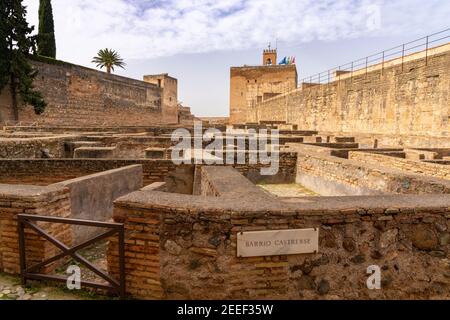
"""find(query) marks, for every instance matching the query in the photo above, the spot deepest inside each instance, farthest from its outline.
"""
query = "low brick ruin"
(382, 205)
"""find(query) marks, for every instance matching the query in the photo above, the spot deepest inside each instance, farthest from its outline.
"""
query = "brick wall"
(48, 201)
(142, 228)
(49, 171)
(398, 100)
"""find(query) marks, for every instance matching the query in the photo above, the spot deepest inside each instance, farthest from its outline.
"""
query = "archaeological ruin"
(363, 162)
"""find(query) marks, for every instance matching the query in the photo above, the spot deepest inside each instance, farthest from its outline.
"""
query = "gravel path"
(10, 289)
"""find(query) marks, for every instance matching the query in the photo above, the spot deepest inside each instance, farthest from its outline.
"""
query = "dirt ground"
(288, 190)
(10, 288)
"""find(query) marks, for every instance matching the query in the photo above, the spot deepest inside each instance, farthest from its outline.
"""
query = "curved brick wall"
(181, 246)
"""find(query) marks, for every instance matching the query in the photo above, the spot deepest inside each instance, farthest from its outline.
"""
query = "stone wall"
(81, 96)
(169, 95)
(48, 201)
(419, 167)
(226, 181)
(92, 196)
(155, 130)
(402, 140)
(49, 171)
(216, 120)
(184, 247)
(252, 84)
(33, 147)
(332, 176)
(400, 100)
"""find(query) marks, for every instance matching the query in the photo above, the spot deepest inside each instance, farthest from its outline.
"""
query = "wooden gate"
(32, 272)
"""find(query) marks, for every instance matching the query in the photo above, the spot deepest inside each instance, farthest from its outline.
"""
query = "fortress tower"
(169, 86)
(251, 85)
(169, 95)
(269, 57)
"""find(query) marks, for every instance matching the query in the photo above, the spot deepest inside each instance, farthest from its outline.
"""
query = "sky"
(197, 41)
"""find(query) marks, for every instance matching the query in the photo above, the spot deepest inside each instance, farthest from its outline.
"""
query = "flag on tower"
(287, 61)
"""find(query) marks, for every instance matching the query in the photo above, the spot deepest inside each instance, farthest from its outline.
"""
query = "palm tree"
(108, 58)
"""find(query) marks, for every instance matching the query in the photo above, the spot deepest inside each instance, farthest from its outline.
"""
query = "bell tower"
(270, 56)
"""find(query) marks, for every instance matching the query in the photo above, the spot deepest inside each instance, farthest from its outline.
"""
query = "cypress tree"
(16, 46)
(46, 37)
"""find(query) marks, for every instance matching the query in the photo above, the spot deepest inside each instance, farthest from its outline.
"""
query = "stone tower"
(270, 57)
(169, 95)
(252, 85)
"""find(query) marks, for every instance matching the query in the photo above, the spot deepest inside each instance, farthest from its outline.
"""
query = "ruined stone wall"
(409, 99)
(48, 201)
(49, 171)
(180, 251)
(226, 181)
(419, 167)
(396, 140)
(155, 130)
(185, 116)
(206, 187)
(26, 148)
(92, 196)
(81, 96)
(332, 176)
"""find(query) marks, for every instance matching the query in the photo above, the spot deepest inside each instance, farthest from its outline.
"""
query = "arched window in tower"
(269, 62)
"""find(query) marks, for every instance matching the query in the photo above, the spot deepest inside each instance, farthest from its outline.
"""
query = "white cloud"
(154, 28)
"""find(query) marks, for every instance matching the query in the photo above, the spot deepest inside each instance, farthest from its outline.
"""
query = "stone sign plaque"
(277, 242)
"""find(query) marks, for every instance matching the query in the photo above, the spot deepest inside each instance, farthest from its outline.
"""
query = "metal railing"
(423, 44)
(32, 272)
